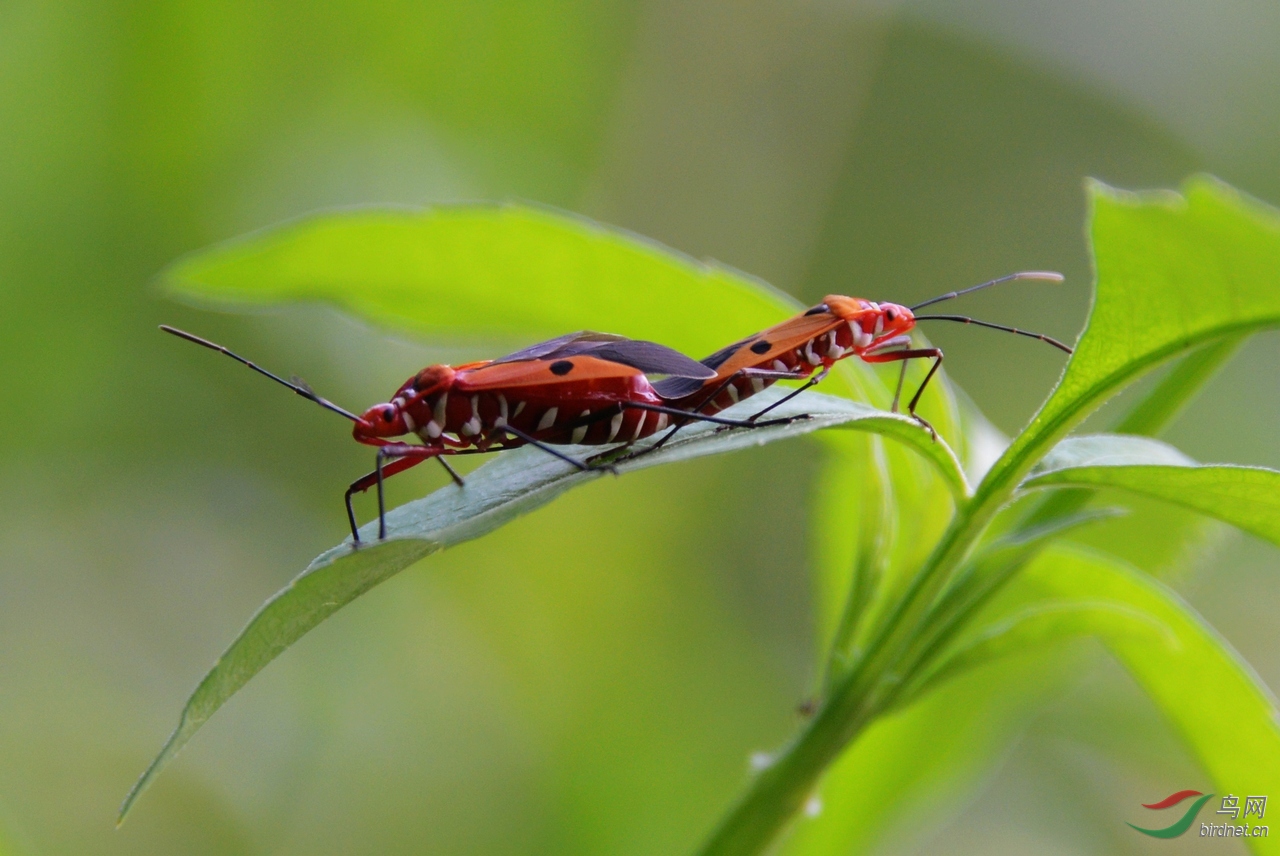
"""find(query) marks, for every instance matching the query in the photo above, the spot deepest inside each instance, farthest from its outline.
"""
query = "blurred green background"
(592, 678)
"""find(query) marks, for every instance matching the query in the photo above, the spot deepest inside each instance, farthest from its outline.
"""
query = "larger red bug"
(583, 388)
(808, 345)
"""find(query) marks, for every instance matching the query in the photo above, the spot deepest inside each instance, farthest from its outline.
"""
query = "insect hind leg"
(554, 452)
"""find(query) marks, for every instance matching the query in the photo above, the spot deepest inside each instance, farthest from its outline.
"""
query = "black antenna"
(1041, 275)
(299, 387)
(963, 319)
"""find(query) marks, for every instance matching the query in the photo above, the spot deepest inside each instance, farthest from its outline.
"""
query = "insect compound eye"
(890, 315)
(388, 414)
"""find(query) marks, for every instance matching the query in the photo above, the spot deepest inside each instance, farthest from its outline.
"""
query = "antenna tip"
(1042, 275)
(190, 337)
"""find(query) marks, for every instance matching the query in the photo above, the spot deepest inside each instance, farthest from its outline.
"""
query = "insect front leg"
(912, 354)
(409, 455)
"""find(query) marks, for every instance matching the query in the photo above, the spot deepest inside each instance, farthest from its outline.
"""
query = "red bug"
(837, 328)
(583, 388)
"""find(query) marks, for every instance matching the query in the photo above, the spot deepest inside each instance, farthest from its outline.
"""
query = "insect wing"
(763, 348)
(651, 358)
(499, 376)
(648, 357)
(673, 388)
(557, 346)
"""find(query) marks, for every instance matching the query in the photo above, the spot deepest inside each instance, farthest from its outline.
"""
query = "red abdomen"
(587, 411)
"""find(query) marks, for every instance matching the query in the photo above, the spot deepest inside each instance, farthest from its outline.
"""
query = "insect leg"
(453, 474)
(721, 387)
(913, 354)
(897, 390)
(409, 456)
(702, 417)
(895, 342)
(550, 450)
(694, 412)
(813, 380)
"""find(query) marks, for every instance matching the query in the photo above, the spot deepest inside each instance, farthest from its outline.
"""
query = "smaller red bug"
(815, 340)
(581, 389)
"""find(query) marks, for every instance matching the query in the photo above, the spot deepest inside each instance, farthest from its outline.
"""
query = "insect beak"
(362, 430)
(381, 420)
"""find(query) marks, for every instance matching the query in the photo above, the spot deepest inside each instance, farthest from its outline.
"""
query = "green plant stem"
(871, 682)
(782, 790)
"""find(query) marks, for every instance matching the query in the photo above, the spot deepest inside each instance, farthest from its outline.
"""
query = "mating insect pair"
(593, 388)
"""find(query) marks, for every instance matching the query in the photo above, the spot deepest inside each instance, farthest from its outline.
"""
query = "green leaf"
(510, 271)
(1109, 450)
(515, 483)
(982, 577)
(1162, 405)
(919, 762)
(1174, 273)
(1212, 698)
(1246, 497)
(1201, 685)
(1036, 627)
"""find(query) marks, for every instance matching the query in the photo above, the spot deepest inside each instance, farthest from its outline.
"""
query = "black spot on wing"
(819, 309)
(761, 347)
(561, 367)
(721, 356)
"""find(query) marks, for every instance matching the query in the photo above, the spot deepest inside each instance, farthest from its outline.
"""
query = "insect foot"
(924, 423)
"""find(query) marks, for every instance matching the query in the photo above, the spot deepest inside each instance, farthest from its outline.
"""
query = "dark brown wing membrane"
(651, 358)
(672, 388)
(551, 348)
(648, 357)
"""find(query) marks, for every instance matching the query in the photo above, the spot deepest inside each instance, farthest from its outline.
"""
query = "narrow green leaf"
(1151, 415)
(1109, 450)
(1162, 405)
(512, 271)
(515, 483)
(1218, 705)
(981, 579)
(1038, 627)
(1174, 272)
(875, 530)
(1246, 497)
